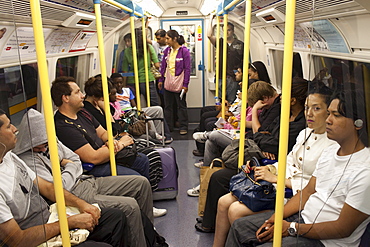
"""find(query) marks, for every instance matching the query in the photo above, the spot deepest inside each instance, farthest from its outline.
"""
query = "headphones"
(359, 123)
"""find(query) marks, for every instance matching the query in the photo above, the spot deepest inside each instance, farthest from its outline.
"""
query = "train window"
(188, 31)
(343, 75)
(338, 73)
(277, 62)
(76, 67)
(17, 85)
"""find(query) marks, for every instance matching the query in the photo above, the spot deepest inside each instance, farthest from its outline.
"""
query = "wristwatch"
(292, 230)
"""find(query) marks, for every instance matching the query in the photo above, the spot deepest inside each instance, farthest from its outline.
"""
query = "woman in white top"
(301, 163)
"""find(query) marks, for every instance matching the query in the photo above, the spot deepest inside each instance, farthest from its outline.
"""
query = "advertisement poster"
(318, 41)
(81, 41)
(60, 40)
(333, 38)
(88, 5)
(21, 41)
(5, 33)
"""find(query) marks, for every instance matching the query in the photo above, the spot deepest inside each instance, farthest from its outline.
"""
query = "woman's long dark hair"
(260, 68)
(140, 43)
(174, 34)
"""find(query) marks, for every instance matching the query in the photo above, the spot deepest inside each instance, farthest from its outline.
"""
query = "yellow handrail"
(247, 26)
(134, 59)
(284, 121)
(146, 64)
(49, 118)
(224, 67)
(118, 5)
(103, 70)
(218, 57)
(229, 6)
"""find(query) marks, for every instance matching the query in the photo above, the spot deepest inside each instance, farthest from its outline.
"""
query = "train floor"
(178, 225)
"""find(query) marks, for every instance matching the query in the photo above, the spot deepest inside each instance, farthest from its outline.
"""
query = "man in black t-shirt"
(72, 121)
(235, 52)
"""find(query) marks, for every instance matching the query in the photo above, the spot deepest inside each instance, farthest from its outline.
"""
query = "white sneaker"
(168, 141)
(157, 212)
(199, 164)
(194, 191)
(159, 137)
(200, 137)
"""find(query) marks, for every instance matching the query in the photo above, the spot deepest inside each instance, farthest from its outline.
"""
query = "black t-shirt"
(270, 142)
(267, 116)
(100, 117)
(235, 53)
(69, 134)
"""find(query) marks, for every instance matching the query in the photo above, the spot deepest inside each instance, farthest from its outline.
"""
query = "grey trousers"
(157, 112)
(215, 144)
(243, 233)
(127, 193)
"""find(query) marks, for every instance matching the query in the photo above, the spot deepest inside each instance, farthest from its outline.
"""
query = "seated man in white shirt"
(334, 210)
(24, 213)
(131, 194)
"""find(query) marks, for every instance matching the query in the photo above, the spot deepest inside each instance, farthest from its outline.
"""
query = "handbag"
(205, 175)
(173, 83)
(126, 156)
(155, 71)
(257, 196)
(230, 155)
(134, 122)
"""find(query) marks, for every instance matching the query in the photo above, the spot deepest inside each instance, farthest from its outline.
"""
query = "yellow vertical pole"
(134, 59)
(284, 120)
(103, 70)
(247, 30)
(217, 56)
(224, 66)
(49, 118)
(146, 64)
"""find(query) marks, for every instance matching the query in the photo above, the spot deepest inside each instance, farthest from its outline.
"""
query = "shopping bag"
(205, 175)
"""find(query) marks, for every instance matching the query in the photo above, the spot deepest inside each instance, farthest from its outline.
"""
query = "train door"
(193, 32)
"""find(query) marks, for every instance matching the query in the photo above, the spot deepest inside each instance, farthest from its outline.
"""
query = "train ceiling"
(54, 12)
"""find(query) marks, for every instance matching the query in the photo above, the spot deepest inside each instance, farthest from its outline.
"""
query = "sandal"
(200, 228)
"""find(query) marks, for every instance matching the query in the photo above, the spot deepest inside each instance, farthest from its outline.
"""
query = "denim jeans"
(152, 89)
(139, 167)
(232, 87)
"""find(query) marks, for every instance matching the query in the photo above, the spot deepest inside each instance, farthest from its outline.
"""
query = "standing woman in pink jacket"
(175, 70)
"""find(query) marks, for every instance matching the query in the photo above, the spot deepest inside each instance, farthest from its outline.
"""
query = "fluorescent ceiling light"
(208, 6)
(150, 6)
(181, 1)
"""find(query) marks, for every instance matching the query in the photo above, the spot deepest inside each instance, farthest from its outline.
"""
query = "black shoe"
(199, 219)
(200, 228)
(196, 152)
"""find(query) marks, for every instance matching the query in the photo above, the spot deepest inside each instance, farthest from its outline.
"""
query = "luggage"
(168, 186)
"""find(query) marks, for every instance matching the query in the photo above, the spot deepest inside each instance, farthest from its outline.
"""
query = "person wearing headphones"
(330, 210)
